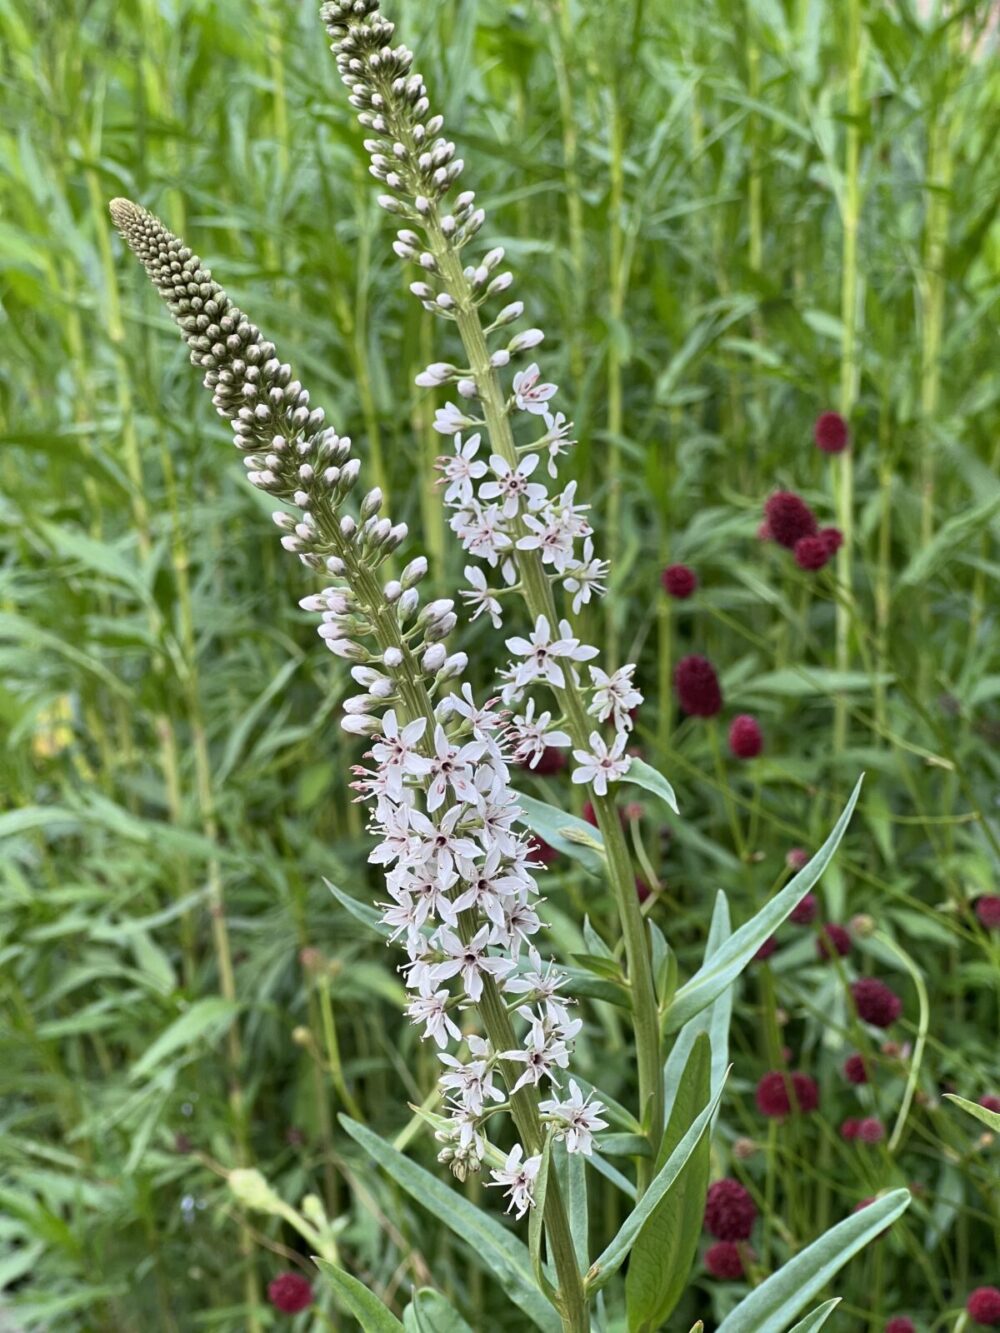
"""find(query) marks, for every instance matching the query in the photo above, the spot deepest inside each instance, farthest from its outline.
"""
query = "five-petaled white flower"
(462, 470)
(529, 395)
(532, 737)
(542, 653)
(577, 1117)
(614, 696)
(471, 960)
(519, 1176)
(512, 486)
(431, 1009)
(556, 439)
(395, 753)
(599, 765)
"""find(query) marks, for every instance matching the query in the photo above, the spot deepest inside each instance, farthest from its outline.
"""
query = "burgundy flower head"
(830, 433)
(849, 1129)
(290, 1293)
(811, 553)
(855, 1069)
(788, 518)
(900, 1324)
(804, 913)
(680, 581)
(832, 538)
(871, 1130)
(765, 950)
(730, 1212)
(875, 1002)
(988, 911)
(642, 889)
(698, 686)
(795, 859)
(773, 1089)
(983, 1306)
(833, 939)
(723, 1260)
(746, 740)
(990, 1102)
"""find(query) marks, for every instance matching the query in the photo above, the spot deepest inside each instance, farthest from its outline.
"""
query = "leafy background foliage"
(669, 182)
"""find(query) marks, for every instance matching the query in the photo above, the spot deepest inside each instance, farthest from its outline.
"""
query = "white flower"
(600, 765)
(451, 766)
(542, 983)
(482, 531)
(481, 596)
(462, 470)
(542, 653)
(529, 395)
(556, 439)
(532, 737)
(542, 1052)
(550, 536)
(614, 695)
(586, 577)
(431, 1009)
(512, 485)
(482, 721)
(578, 1118)
(470, 960)
(519, 1177)
(395, 754)
(440, 842)
(472, 1082)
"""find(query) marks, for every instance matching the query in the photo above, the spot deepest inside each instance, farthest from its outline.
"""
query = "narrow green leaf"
(608, 1263)
(354, 1297)
(489, 1240)
(714, 1019)
(362, 913)
(567, 834)
(779, 1298)
(536, 1221)
(805, 682)
(571, 1169)
(210, 1016)
(666, 1246)
(954, 534)
(649, 779)
(817, 1318)
(989, 1118)
(730, 960)
(429, 1312)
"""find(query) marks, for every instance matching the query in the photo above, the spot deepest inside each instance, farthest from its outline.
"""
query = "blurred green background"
(728, 216)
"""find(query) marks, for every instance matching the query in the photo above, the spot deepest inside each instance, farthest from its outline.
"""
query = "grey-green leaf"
(210, 1016)
(726, 965)
(665, 1248)
(650, 780)
(817, 1318)
(429, 1312)
(608, 1263)
(567, 834)
(355, 1297)
(779, 1298)
(989, 1118)
(506, 1257)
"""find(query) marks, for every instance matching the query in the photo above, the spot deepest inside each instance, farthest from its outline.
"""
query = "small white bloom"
(451, 418)
(395, 753)
(529, 395)
(542, 1052)
(431, 1009)
(614, 696)
(578, 1118)
(480, 596)
(599, 765)
(542, 653)
(512, 486)
(532, 737)
(461, 471)
(519, 1177)
(556, 439)
(586, 578)
(471, 960)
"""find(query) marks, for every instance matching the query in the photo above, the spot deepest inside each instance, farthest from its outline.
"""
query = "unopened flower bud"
(521, 342)
(434, 658)
(392, 657)
(392, 590)
(372, 503)
(414, 572)
(360, 724)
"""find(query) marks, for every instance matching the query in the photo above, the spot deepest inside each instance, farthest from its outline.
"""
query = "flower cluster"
(463, 899)
(501, 509)
(790, 522)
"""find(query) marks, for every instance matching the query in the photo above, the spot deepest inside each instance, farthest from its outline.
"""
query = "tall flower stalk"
(532, 543)
(458, 874)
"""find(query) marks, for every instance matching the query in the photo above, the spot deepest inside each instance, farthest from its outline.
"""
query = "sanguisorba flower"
(900, 1324)
(983, 1306)
(779, 1094)
(831, 433)
(788, 518)
(871, 1130)
(698, 689)
(875, 1002)
(724, 1260)
(679, 581)
(290, 1293)
(746, 740)
(730, 1211)
(803, 913)
(833, 941)
(855, 1069)
(988, 911)
(811, 553)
